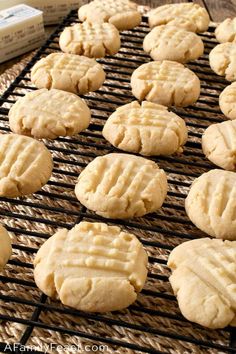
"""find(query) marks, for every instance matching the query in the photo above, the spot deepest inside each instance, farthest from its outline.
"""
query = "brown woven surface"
(66, 215)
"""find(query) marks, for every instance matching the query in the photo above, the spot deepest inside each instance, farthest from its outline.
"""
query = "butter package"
(53, 10)
(21, 30)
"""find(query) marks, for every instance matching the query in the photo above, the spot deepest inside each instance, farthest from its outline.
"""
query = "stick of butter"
(21, 30)
(53, 10)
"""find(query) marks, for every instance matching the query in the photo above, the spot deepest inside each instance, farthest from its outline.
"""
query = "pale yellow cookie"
(211, 204)
(203, 279)
(222, 60)
(227, 101)
(5, 247)
(94, 40)
(185, 13)
(123, 14)
(219, 144)
(184, 23)
(92, 267)
(226, 30)
(68, 72)
(147, 129)
(165, 82)
(49, 114)
(121, 186)
(173, 43)
(25, 165)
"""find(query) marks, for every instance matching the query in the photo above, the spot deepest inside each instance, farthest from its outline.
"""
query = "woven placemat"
(26, 242)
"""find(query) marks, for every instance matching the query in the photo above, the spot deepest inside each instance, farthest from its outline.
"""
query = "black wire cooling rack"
(154, 323)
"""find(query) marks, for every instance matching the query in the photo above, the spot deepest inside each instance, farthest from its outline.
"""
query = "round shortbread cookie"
(93, 40)
(123, 14)
(5, 247)
(226, 30)
(173, 43)
(147, 129)
(68, 72)
(184, 23)
(121, 186)
(222, 60)
(190, 16)
(227, 101)
(49, 114)
(211, 203)
(25, 165)
(92, 267)
(165, 82)
(219, 144)
(203, 278)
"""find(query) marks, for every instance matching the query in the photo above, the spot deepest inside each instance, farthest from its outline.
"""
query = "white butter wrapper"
(21, 30)
(53, 10)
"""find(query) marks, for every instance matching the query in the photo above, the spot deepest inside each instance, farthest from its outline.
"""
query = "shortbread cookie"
(165, 82)
(185, 13)
(149, 129)
(5, 247)
(25, 165)
(173, 43)
(184, 23)
(121, 186)
(227, 101)
(93, 40)
(203, 279)
(123, 14)
(211, 203)
(219, 144)
(222, 60)
(49, 114)
(68, 72)
(226, 30)
(93, 267)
